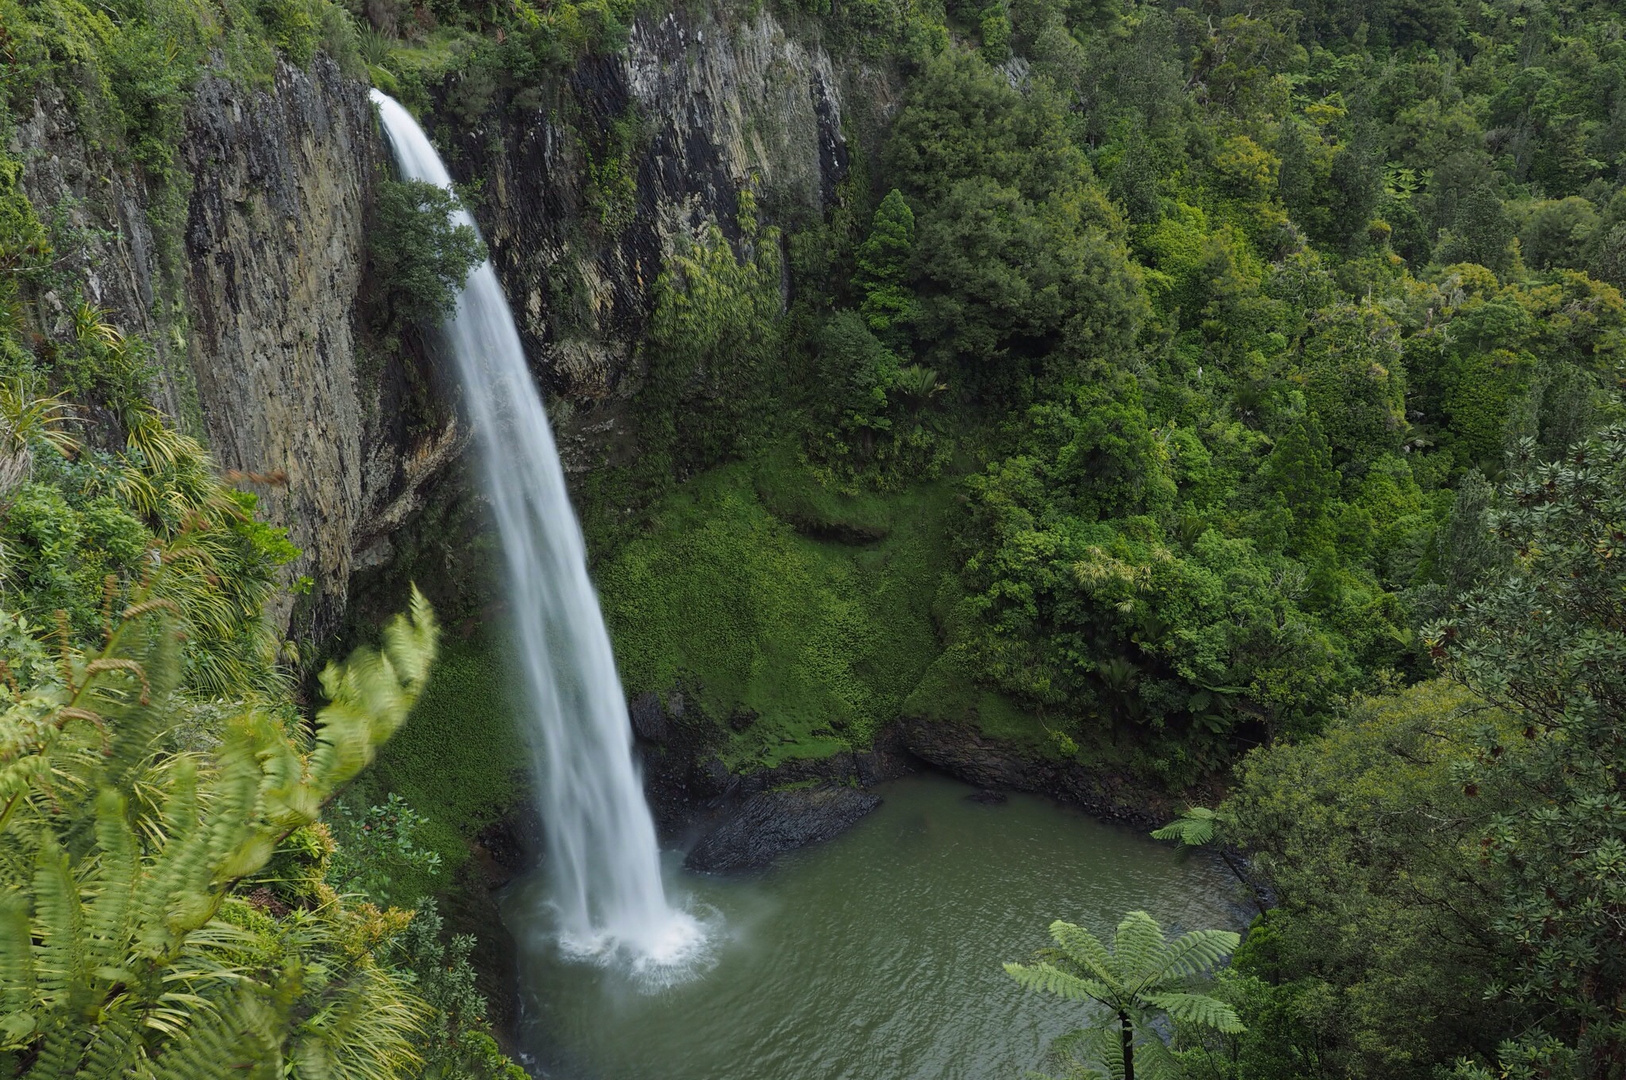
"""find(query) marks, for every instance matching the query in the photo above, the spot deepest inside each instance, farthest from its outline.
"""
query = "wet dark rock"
(771, 823)
(512, 844)
(712, 778)
(743, 718)
(993, 765)
(649, 720)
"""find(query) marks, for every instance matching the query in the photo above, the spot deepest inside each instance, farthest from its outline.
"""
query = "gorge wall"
(252, 303)
(254, 294)
(583, 193)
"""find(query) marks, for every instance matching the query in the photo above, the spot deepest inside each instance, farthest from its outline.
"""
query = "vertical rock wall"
(714, 104)
(259, 340)
(256, 313)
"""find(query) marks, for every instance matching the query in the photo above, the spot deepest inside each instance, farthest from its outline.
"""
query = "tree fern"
(1142, 976)
(1049, 980)
(1137, 951)
(1083, 948)
(1193, 828)
(1198, 1009)
(1196, 952)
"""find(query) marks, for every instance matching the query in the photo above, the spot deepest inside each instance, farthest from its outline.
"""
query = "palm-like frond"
(1137, 950)
(1141, 976)
(1094, 1053)
(1050, 979)
(1193, 828)
(1198, 1009)
(117, 858)
(1086, 950)
(1195, 952)
(1152, 1058)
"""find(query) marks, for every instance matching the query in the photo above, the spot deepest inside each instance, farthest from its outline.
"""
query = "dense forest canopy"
(1212, 391)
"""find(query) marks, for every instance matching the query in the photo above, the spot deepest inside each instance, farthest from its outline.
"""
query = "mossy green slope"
(459, 760)
(822, 639)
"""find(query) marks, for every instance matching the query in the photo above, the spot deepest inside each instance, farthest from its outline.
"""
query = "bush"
(419, 253)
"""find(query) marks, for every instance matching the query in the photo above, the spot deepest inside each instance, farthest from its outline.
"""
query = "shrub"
(419, 252)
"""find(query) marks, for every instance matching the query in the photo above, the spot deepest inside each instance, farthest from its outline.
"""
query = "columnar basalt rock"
(706, 108)
(256, 321)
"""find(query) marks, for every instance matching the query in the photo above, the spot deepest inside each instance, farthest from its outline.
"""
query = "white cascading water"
(604, 863)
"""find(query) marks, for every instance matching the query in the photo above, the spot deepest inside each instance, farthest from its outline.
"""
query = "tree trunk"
(1126, 1036)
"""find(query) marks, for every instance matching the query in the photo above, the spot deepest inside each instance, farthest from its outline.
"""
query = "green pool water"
(873, 957)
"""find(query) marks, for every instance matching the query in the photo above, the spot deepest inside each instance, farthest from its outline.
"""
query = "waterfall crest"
(604, 864)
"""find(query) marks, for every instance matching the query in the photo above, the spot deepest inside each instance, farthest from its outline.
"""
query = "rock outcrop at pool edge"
(770, 823)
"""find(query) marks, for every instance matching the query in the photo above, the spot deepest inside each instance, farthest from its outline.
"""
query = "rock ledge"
(771, 823)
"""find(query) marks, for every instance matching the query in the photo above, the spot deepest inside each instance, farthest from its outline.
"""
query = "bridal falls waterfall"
(603, 860)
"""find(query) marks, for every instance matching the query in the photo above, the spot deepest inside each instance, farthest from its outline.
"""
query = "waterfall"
(604, 865)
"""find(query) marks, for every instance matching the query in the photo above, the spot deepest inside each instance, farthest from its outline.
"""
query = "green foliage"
(1092, 594)
(292, 26)
(486, 54)
(84, 537)
(1544, 642)
(880, 433)
(459, 1044)
(883, 267)
(376, 846)
(1354, 382)
(1141, 977)
(817, 642)
(419, 253)
(1193, 828)
(1017, 254)
(713, 339)
(612, 184)
(1374, 958)
(119, 862)
(457, 762)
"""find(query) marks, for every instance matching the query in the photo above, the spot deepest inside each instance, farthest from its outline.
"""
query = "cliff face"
(584, 194)
(253, 307)
(252, 294)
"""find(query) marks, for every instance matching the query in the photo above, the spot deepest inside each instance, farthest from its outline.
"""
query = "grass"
(787, 491)
(729, 598)
(946, 694)
(460, 759)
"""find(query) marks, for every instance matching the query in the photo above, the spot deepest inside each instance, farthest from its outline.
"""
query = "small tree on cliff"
(1142, 976)
(887, 303)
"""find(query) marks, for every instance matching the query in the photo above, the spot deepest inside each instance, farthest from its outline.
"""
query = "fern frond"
(61, 1050)
(1199, 1009)
(370, 695)
(1193, 828)
(1196, 952)
(1086, 950)
(116, 880)
(1052, 980)
(1137, 948)
(240, 1038)
(60, 968)
(18, 1019)
(1092, 1053)
(1153, 1061)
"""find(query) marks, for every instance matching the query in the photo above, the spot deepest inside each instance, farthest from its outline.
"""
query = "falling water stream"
(604, 878)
